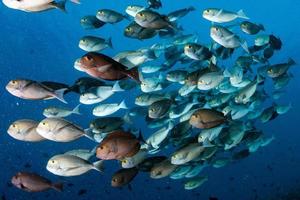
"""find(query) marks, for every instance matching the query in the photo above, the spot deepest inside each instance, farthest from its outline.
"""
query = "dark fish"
(148, 163)
(101, 66)
(241, 154)
(118, 145)
(275, 42)
(82, 192)
(83, 84)
(123, 177)
(155, 4)
(91, 22)
(31, 182)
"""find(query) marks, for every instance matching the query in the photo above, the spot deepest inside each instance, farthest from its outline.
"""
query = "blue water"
(43, 46)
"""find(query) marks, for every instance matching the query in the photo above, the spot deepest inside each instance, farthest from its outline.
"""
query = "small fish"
(52, 112)
(123, 177)
(195, 182)
(251, 28)
(90, 22)
(70, 165)
(186, 154)
(197, 52)
(32, 182)
(108, 109)
(136, 31)
(162, 169)
(25, 130)
(110, 16)
(134, 9)
(222, 16)
(60, 130)
(207, 118)
(159, 108)
(32, 90)
(277, 70)
(118, 145)
(153, 20)
(93, 44)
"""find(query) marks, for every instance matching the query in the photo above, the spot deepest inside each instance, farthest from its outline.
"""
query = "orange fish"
(101, 66)
(118, 145)
(31, 182)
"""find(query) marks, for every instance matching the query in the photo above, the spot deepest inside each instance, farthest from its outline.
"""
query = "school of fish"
(200, 101)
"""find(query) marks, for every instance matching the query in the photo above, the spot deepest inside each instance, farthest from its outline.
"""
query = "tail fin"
(244, 45)
(76, 110)
(89, 134)
(61, 5)
(109, 43)
(123, 105)
(99, 165)
(75, 1)
(261, 27)
(291, 62)
(59, 94)
(116, 87)
(241, 14)
(58, 186)
(134, 74)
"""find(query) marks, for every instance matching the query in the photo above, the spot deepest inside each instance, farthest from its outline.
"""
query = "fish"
(153, 20)
(60, 130)
(136, 31)
(93, 44)
(197, 52)
(101, 66)
(98, 94)
(162, 169)
(187, 154)
(108, 109)
(195, 182)
(226, 38)
(251, 28)
(110, 16)
(155, 4)
(70, 165)
(207, 118)
(210, 80)
(118, 145)
(130, 162)
(107, 124)
(159, 136)
(53, 111)
(159, 109)
(90, 22)
(123, 177)
(222, 16)
(25, 130)
(32, 182)
(149, 162)
(36, 6)
(177, 14)
(274, 71)
(132, 10)
(32, 90)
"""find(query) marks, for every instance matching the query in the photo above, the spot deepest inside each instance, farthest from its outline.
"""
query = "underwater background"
(44, 46)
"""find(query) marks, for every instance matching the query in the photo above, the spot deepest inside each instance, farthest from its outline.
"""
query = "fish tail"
(59, 94)
(76, 110)
(123, 105)
(61, 5)
(241, 14)
(134, 74)
(99, 165)
(291, 62)
(109, 43)
(116, 87)
(244, 45)
(89, 134)
(261, 27)
(75, 1)
(58, 187)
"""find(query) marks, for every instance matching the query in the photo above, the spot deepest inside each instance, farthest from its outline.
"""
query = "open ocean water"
(43, 46)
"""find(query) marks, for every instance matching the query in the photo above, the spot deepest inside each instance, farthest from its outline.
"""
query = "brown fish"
(123, 177)
(33, 90)
(31, 182)
(207, 118)
(118, 145)
(101, 66)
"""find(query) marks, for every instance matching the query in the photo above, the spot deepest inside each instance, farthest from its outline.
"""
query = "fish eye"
(128, 29)
(115, 180)
(14, 82)
(124, 161)
(101, 147)
(44, 123)
(141, 14)
(89, 58)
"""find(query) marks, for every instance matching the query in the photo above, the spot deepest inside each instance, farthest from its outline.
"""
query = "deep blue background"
(43, 46)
